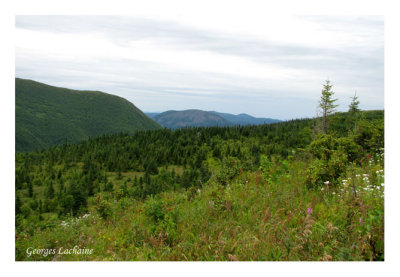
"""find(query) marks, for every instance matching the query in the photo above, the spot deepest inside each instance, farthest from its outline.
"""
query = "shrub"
(102, 206)
(154, 209)
(331, 155)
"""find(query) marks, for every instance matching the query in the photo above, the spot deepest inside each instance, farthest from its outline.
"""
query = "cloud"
(167, 64)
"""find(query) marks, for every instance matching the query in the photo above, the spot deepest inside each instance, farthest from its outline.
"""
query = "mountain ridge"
(186, 118)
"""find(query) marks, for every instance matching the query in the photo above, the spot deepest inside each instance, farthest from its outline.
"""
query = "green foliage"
(230, 168)
(326, 104)
(332, 156)
(370, 135)
(102, 206)
(47, 115)
(154, 209)
(353, 107)
(237, 193)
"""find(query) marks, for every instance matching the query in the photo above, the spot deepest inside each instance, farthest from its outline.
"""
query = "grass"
(256, 216)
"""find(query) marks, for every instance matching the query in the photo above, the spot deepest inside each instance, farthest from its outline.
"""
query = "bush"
(230, 169)
(332, 155)
(102, 206)
(154, 209)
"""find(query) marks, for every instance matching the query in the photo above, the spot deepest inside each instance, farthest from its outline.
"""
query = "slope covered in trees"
(282, 191)
(47, 115)
(189, 118)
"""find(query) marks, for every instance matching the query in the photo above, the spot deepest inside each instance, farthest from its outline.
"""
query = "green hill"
(47, 115)
(189, 118)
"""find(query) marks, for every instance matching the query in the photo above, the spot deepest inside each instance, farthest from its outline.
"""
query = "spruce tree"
(326, 104)
(353, 107)
(354, 110)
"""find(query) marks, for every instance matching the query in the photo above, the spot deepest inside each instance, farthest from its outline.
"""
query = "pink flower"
(309, 210)
(361, 220)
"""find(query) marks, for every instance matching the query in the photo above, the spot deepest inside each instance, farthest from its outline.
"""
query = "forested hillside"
(47, 116)
(283, 191)
(189, 118)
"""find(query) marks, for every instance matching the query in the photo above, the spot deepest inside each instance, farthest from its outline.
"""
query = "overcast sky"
(264, 66)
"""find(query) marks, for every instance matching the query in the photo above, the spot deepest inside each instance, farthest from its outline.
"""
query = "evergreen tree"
(354, 110)
(353, 107)
(326, 104)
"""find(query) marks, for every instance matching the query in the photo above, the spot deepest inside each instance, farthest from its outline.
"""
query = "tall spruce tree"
(326, 104)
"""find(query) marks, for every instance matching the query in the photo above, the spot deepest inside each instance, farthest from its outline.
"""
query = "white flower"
(333, 193)
(358, 175)
(382, 184)
(365, 175)
(327, 182)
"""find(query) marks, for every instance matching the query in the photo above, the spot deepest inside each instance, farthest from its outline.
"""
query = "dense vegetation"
(283, 191)
(46, 116)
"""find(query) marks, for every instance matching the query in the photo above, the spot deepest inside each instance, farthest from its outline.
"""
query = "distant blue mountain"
(193, 118)
(245, 119)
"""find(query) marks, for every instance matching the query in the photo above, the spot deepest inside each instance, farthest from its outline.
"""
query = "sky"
(265, 66)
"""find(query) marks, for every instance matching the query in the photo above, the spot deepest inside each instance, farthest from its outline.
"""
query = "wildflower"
(327, 182)
(358, 175)
(365, 175)
(382, 184)
(140, 210)
(333, 193)
(361, 220)
(309, 210)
